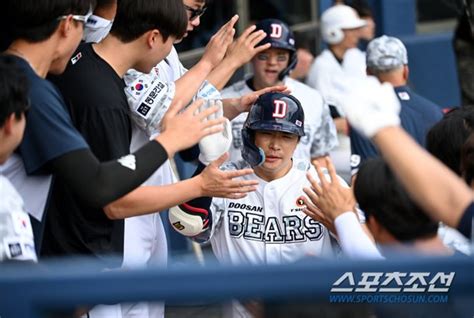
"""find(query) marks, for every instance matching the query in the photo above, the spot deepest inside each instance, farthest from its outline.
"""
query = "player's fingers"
(243, 189)
(314, 184)
(194, 107)
(211, 130)
(322, 177)
(233, 21)
(256, 36)
(261, 48)
(174, 109)
(311, 195)
(236, 196)
(331, 169)
(219, 161)
(207, 112)
(247, 31)
(215, 122)
(238, 173)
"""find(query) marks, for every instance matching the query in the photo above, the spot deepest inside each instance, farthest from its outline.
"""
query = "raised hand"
(248, 100)
(327, 198)
(217, 183)
(245, 47)
(220, 41)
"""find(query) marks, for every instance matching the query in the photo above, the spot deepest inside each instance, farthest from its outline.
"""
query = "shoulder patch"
(76, 58)
(404, 95)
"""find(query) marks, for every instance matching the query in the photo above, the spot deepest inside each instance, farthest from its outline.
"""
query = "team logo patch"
(76, 58)
(143, 109)
(15, 249)
(299, 202)
(404, 96)
(178, 226)
(279, 108)
(128, 162)
(298, 123)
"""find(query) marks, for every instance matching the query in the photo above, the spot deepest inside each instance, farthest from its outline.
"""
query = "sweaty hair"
(446, 138)
(381, 196)
(136, 17)
(13, 89)
(34, 20)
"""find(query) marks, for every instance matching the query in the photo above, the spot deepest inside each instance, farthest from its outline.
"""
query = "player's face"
(278, 148)
(194, 11)
(267, 65)
(11, 134)
(351, 38)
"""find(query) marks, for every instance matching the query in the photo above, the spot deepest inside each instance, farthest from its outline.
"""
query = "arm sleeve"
(97, 184)
(353, 240)
(465, 224)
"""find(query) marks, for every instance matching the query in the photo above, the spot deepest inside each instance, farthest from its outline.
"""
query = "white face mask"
(96, 29)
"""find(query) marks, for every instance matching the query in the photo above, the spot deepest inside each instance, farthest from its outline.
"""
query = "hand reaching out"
(327, 199)
(218, 183)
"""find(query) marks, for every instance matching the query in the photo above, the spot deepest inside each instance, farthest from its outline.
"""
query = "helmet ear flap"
(291, 66)
(333, 35)
(250, 152)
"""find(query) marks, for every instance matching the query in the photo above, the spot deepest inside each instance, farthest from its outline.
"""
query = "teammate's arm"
(239, 53)
(373, 109)
(207, 181)
(97, 184)
(188, 84)
(432, 185)
(235, 106)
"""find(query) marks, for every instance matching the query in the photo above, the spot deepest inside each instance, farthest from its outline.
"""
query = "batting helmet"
(279, 36)
(337, 18)
(271, 112)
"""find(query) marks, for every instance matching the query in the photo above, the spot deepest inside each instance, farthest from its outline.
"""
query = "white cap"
(336, 19)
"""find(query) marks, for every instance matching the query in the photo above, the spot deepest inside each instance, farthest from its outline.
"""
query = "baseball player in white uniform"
(268, 226)
(272, 67)
(340, 29)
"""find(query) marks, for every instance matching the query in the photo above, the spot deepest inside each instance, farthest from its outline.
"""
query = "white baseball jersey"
(320, 132)
(144, 238)
(96, 28)
(326, 74)
(16, 234)
(268, 226)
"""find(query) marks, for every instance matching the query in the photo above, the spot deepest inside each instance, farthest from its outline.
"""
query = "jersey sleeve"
(149, 99)
(325, 137)
(49, 132)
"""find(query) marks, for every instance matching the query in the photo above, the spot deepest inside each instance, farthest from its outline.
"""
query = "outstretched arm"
(209, 181)
(373, 109)
(239, 53)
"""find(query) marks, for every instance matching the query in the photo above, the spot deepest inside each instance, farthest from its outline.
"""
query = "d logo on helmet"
(279, 109)
(276, 31)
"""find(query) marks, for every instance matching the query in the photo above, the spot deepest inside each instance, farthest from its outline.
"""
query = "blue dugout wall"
(33, 291)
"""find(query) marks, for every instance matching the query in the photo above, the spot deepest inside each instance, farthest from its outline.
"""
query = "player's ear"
(7, 126)
(153, 38)
(406, 72)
